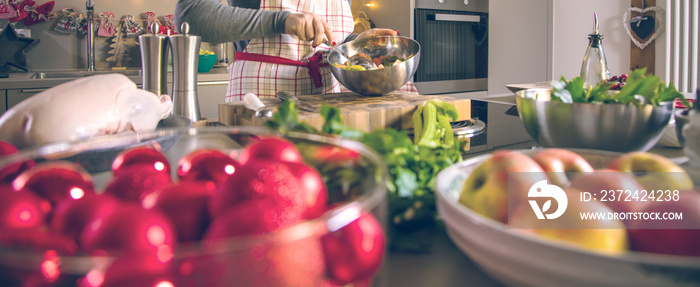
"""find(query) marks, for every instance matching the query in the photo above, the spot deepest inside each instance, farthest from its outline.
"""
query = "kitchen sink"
(82, 73)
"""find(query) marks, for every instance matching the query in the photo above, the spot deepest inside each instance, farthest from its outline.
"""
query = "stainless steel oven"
(453, 35)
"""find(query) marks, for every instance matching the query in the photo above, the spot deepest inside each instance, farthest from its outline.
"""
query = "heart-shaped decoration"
(644, 25)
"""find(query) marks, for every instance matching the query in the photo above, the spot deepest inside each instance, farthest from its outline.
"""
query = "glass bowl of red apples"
(205, 206)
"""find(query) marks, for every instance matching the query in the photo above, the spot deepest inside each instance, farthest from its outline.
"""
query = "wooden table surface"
(366, 113)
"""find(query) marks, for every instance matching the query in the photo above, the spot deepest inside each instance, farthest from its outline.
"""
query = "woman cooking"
(278, 44)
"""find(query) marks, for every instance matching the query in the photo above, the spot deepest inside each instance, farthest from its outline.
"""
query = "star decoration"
(14, 49)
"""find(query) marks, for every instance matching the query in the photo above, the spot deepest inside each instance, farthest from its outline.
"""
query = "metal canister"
(154, 61)
(185, 48)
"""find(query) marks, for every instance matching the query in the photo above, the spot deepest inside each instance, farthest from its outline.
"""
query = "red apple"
(675, 237)
(206, 164)
(70, 216)
(185, 203)
(270, 148)
(9, 172)
(653, 171)
(288, 258)
(258, 180)
(354, 252)
(314, 189)
(56, 181)
(138, 156)
(21, 209)
(559, 163)
(253, 217)
(137, 181)
(129, 229)
(486, 190)
(612, 188)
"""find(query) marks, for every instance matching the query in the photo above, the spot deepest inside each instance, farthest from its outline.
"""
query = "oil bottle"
(595, 67)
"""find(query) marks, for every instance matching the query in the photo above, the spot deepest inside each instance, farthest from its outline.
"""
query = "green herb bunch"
(413, 165)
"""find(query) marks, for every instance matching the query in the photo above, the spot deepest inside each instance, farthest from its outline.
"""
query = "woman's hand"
(308, 27)
(377, 32)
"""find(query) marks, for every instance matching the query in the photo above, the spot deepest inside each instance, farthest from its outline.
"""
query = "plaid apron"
(284, 63)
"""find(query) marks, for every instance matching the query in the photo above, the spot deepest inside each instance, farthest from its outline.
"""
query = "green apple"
(653, 171)
(486, 188)
(559, 164)
(604, 236)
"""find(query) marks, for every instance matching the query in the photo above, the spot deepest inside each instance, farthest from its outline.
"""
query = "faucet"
(90, 35)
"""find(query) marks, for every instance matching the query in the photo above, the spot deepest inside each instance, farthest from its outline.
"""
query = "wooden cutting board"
(393, 110)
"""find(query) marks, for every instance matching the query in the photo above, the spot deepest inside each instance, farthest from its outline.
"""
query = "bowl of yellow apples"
(207, 60)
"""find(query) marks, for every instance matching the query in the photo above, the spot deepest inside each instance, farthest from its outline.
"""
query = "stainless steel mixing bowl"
(381, 81)
(613, 127)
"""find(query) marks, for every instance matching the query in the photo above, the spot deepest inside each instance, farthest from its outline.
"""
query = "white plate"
(523, 260)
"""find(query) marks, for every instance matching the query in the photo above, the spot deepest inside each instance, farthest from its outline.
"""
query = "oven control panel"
(454, 5)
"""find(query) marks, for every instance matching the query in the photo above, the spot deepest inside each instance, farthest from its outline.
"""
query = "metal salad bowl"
(612, 127)
(381, 81)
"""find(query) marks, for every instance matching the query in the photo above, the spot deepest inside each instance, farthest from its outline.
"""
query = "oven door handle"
(457, 18)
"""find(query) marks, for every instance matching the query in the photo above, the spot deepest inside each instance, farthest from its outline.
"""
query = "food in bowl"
(377, 82)
(206, 52)
(639, 89)
(272, 221)
(522, 257)
(381, 62)
(572, 115)
(501, 187)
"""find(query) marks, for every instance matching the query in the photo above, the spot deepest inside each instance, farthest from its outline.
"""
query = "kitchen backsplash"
(57, 50)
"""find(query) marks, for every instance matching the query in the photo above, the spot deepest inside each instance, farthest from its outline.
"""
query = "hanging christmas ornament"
(106, 28)
(131, 28)
(41, 13)
(7, 11)
(69, 21)
(169, 23)
(83, 26)
(21, 12)
(150, 19)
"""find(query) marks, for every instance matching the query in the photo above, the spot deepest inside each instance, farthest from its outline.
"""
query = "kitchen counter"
(17, 87)
(443, 266)
(24, 80)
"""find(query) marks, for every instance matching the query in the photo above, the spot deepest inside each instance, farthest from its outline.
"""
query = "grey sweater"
(240, 21)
